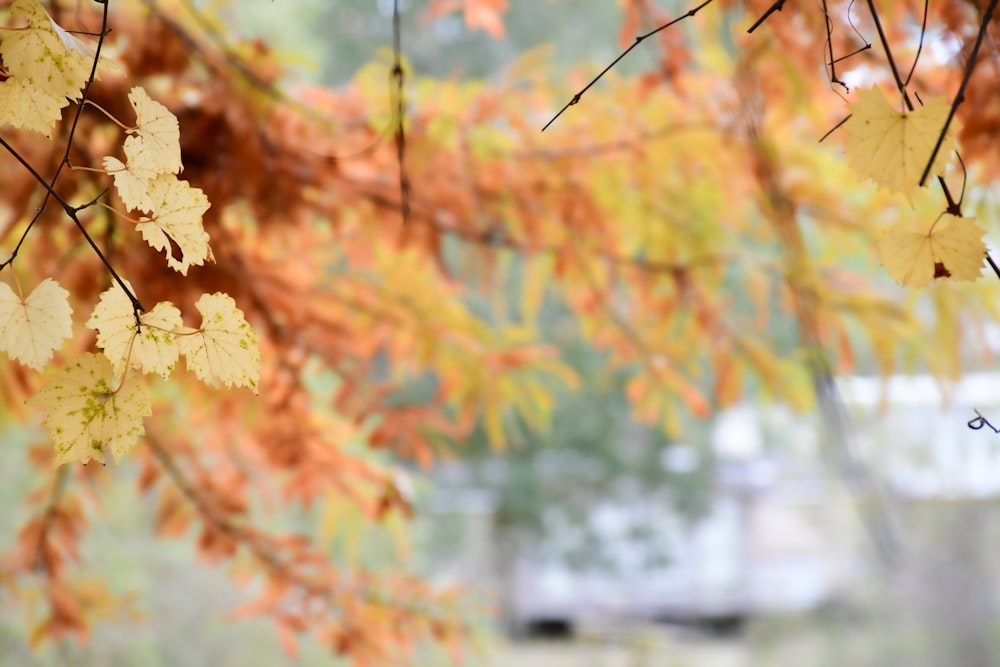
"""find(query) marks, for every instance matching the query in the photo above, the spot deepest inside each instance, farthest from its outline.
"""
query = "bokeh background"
(602, 540)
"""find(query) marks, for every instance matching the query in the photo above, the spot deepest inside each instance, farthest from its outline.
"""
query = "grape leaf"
(158, 139)
(952, 248)
(224, 350)
(132, 185)
(86, 416)
(153, 350)
(892, 147)
(29, 107)
(72, 42)
(38, 56)
(32, 328)
(177, 210)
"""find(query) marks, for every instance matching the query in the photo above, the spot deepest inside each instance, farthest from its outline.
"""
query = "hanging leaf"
(177, 211)
(952, 248)
(154, 350)
(224, 350)
(37, 56)
(156, 145)
(29, 107)
(32, 328)
(892, 147)
(132, 185)
(88, 415)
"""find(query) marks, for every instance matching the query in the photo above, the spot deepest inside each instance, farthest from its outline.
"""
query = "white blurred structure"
(914, 431)
(781, 533)
(775, 540)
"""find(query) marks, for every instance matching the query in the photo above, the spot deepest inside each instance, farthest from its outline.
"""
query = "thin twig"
(398, 77)
(920, 46)
(960, 97)
(832, 63)
(953, 207)
(49, 185)
(980, 421)
(776, 7)
(834, 128)
(993, 265)
(638, 40)
(850, 55)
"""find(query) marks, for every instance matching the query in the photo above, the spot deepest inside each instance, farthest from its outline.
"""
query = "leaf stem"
(107, 113)
(953, 207)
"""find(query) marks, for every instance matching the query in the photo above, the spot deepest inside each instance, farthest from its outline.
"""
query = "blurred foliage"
(330, 41)
(678, 217)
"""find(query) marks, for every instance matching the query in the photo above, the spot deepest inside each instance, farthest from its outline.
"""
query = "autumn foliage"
(679, 214)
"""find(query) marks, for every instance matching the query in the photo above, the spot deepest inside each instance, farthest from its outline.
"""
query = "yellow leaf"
(892, 147)
(157, 144)
(86, 416)
(138, 162)
(177, 210)
(28, 107)
(132, 185)
(37, 55)
(224, 350)
(154, 350)
(953, 248)
(32, 328)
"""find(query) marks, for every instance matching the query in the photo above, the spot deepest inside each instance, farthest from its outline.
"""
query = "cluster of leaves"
(893, 148)
(253, 154)
(680, 215)
(93, 407)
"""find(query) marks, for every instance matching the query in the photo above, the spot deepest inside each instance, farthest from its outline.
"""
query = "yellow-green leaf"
(87, 417)
(28, 107)
(154, 350)
(37, 56)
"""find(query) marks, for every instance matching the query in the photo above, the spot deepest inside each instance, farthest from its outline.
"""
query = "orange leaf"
(485, 15)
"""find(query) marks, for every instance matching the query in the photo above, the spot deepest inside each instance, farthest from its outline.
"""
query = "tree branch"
(960, 97)
(638, 40)
(776, 7)
(49, 185)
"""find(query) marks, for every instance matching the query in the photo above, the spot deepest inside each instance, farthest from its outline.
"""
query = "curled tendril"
(980, 421)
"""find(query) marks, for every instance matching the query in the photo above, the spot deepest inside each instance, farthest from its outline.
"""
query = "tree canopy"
(161, 182)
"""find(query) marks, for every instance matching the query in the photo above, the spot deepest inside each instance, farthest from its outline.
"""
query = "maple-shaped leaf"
(87, 416)
(224, 350)
(132, 185)
(153, 349)
(157, 143)
(176, 213)
(892, 147)
(953, 248)
(38, 56)
(32, 328)
(28, 107)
